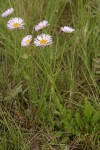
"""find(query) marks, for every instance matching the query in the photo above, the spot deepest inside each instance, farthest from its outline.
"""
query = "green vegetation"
(50, 100)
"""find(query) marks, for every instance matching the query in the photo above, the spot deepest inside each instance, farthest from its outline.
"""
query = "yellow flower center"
(27, 41)
(43, 41)
(15, 25)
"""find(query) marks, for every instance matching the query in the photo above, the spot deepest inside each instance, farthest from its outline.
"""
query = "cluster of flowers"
(40, 40)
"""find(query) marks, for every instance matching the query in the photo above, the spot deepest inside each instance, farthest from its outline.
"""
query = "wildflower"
(43, 40)
(41, 25)
(25, 56)
(67, 29)
(7, 12)
(15, 23)
(26, 40)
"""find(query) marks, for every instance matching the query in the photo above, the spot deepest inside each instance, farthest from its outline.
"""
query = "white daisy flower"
(43, 40)
(26, 40)
(7, 12)
(41, 25)
(67, 29)
(15, 23)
